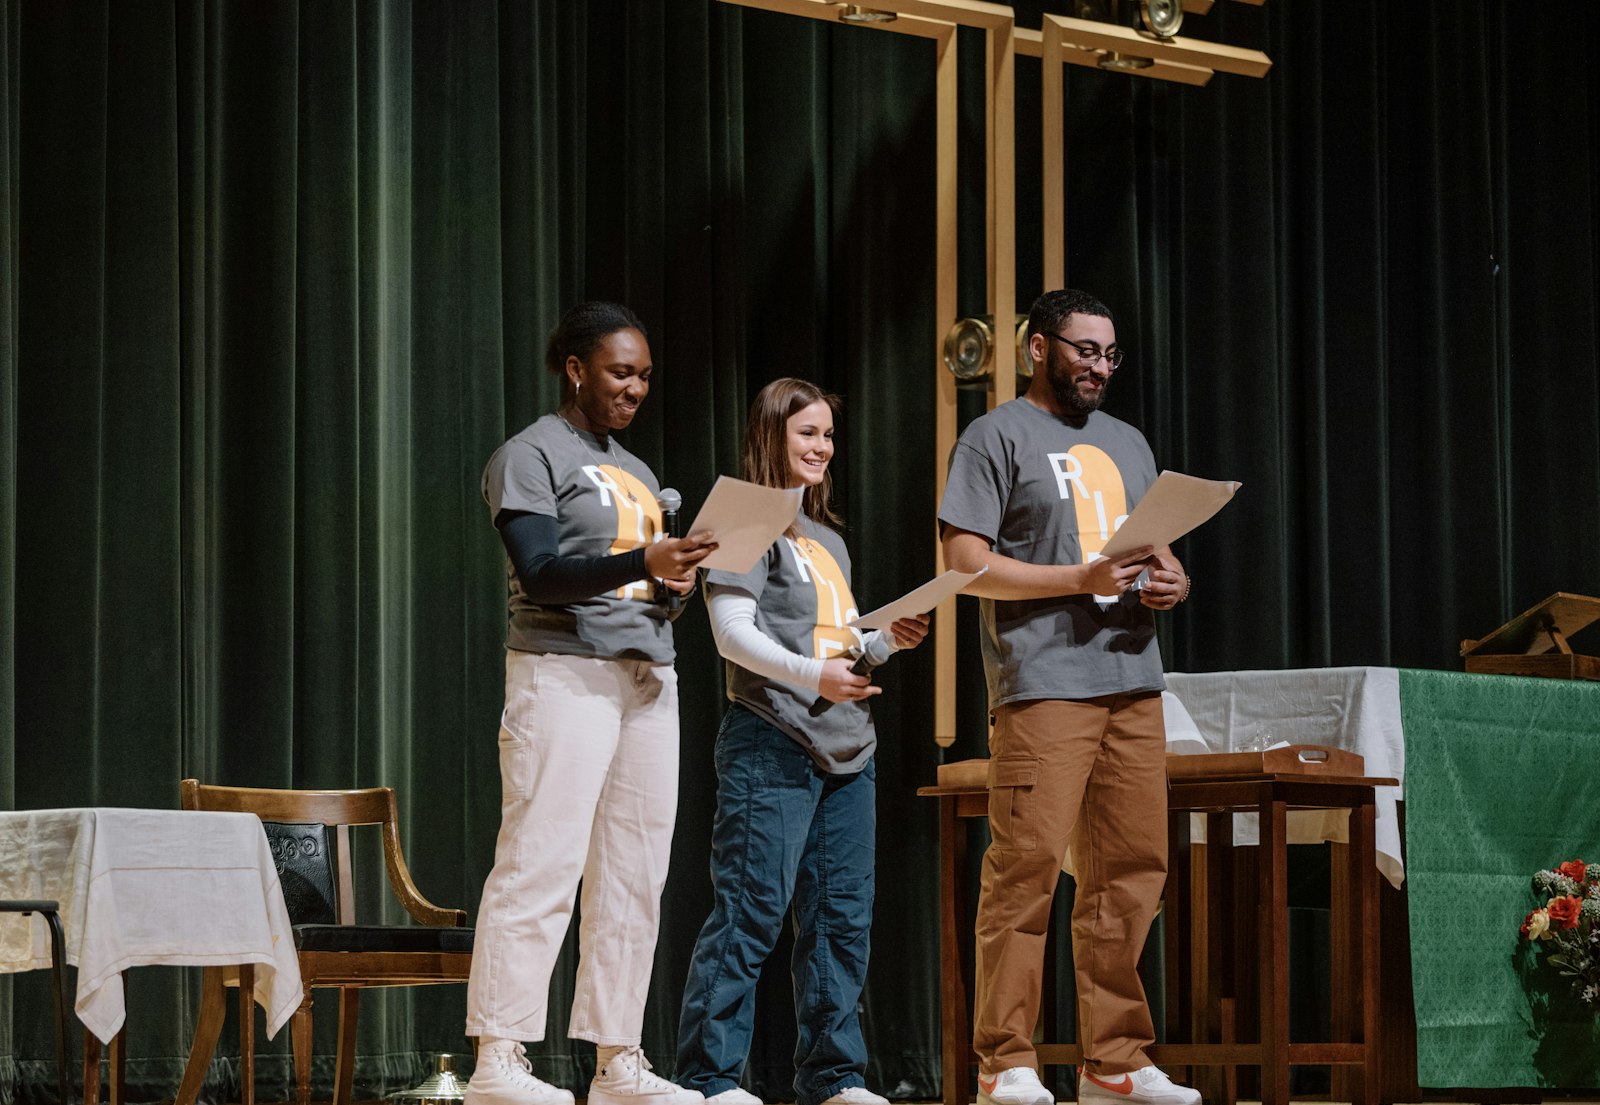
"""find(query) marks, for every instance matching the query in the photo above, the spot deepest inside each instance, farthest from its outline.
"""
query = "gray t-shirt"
(1048, 492)
(803, 602)
(604, 500)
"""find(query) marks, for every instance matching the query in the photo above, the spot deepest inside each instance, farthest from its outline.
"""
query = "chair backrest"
(296, 813)
(304, 857)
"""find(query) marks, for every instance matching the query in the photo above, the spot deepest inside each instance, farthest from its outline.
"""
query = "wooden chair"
(341, 954)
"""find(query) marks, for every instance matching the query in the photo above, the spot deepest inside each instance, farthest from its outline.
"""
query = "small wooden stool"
(1199, 975)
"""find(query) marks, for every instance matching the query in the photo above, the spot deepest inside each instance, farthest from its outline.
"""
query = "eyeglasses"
(1089, 354)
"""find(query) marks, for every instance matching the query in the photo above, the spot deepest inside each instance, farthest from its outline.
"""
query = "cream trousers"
(589, 778)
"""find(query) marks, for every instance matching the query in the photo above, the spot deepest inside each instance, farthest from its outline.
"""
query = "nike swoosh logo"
(1124, 1087)
(987, 1084)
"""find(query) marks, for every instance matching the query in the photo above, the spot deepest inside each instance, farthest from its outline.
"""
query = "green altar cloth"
(1502, 779)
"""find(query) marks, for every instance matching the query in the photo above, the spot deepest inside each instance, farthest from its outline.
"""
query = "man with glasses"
(1078, 751)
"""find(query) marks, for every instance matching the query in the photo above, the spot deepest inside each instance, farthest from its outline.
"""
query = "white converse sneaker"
(505, 1077)
(1014, 1086)
(627, 1080)
(856, 1095)
(1145, 1086)
(736, 1096)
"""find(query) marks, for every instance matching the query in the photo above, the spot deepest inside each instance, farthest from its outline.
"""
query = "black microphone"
(878, 650)
(670, 501)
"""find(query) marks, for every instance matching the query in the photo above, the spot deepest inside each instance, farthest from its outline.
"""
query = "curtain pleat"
(277, 279)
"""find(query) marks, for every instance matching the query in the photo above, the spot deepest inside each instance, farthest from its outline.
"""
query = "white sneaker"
(1145, 1086)
(1014, 1086)
(627, 1080)
(736, 1096)
(856, 1095)
(505, 1077)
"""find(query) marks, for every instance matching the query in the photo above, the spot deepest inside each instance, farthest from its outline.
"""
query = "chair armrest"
(422, 910)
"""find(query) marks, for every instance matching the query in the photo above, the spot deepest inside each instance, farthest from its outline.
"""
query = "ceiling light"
(855, 13)
(1122, 63)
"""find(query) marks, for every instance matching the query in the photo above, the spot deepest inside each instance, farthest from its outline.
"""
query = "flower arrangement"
(1569, 920)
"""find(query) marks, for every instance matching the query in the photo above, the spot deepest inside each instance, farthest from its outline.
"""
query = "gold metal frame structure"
(938, 20)
(1059, 41)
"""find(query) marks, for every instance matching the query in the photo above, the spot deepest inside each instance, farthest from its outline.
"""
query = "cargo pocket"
(1011, 782)
(516, 768)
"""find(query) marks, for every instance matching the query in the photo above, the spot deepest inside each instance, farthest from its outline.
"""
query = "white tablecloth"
(1352, 708)
(140, 887)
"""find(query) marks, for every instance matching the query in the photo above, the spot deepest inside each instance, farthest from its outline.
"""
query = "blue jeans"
(785, 834)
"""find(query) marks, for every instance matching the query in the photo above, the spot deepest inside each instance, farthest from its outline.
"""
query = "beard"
(1064, 384)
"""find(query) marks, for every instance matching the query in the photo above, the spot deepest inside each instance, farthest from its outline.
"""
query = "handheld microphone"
(670, 502)
(878, 650)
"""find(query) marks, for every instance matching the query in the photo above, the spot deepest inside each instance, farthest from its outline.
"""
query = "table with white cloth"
(1357, 709)
(139, 887)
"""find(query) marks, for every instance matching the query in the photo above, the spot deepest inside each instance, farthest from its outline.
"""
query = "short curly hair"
(1051, 310)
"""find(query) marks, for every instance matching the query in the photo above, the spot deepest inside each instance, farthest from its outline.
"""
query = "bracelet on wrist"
(1188, 582)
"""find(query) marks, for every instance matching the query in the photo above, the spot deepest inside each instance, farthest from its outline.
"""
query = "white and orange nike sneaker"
(1014, 1086)
(1145, 1086)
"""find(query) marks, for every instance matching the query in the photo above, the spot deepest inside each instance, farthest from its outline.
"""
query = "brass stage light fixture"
(970, 350)
(1160, 18)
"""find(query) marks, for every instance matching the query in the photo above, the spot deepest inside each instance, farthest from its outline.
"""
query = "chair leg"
(207, 1029)
(300, 1041)
(58, 984)
(247, 1034)
(344, 1069)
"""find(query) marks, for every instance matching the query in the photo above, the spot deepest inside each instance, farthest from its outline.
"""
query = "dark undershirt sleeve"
(547, 578)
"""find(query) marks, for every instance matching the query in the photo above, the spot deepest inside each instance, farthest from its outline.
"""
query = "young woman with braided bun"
(589, 736)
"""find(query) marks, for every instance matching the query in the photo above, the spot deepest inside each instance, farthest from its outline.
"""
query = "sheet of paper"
(919, 601)
(746, 519)
(1174, 505)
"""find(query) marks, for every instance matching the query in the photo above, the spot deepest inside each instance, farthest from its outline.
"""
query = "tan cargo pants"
(1092, 771)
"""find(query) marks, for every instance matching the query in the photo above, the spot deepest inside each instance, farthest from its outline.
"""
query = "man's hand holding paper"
(1174, 505)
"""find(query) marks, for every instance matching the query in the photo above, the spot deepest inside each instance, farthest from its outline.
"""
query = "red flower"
(1526, 921)
(1564, 912)
(1574, 869)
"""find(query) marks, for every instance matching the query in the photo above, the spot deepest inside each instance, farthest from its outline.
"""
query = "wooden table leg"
(91, 1068)
(957, 1041)
(247, 1034)
(1214, 985)
(1272, 874)
(117, 1062)
(1344, 957)
(1175, 926)
(1368, 940)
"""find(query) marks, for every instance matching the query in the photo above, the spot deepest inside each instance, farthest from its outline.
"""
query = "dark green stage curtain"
(277, 280)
